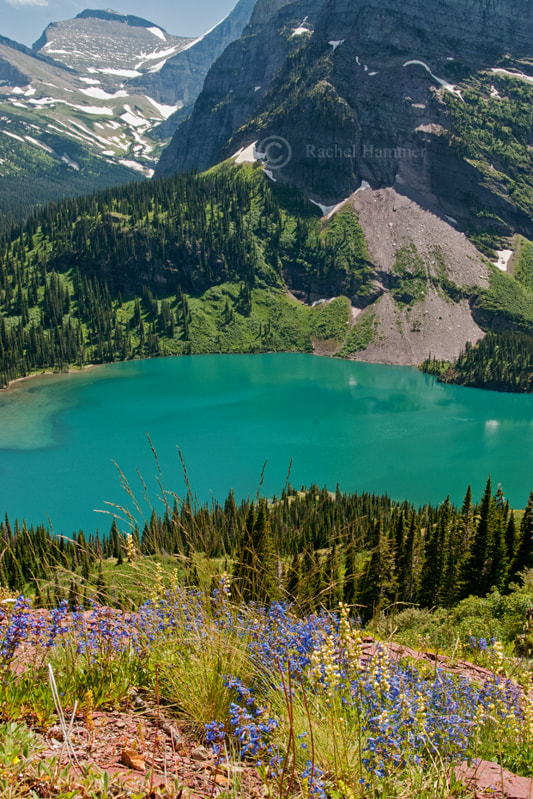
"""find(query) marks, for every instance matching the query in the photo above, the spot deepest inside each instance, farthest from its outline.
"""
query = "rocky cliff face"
(383, 91)
(95, 101)
(182, 76)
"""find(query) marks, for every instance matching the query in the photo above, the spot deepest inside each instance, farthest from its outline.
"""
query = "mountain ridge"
(94, 103)
(426, 109)
(389, 85)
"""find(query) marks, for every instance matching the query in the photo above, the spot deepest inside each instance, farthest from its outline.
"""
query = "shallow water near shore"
(366, 427)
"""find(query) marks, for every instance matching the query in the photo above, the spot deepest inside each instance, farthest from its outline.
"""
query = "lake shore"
(18, 381)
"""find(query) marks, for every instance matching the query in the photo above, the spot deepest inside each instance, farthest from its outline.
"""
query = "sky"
(25, 20)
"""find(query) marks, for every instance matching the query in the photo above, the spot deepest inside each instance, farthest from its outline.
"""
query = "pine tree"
(255, 569)
(497, 562)
(332, 580)
(510, 539)
(524, 553)
(430, 576)
(410, 563)
(377, 584)
(446, 536)
(101, 586)
(474, 577)
(349, 587)
(294, 575)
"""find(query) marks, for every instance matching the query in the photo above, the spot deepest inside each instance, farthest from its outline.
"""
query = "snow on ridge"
(444, 83)
(202, 37)
(330, 210)
(158, 67)
(164, 110)
(44, 101)
(364, 185)
(326, 209)
(157, 32)
(336, 43)
(299, 31)
(94, 109)
(133, 119)
(136, 166)
(89, 80)
(40, 144)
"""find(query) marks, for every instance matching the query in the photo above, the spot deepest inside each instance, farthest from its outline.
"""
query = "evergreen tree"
(255, 569)
(377, 584)
(332, 580)
(101, 586)
(524, 553)
(497, 562)
(350, 577)
(475, 572)
(510, 539)
(294, 576)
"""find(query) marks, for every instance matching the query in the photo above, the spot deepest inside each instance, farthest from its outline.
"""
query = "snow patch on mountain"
(519, 75)
(100, 94)
(69, 162)
(133, 119)
(164, 110)
(444, 83)
(246, 155)
(94, 109)
(157, 32)
(121, 73)
(504, 256)
(170, 51)
(12, 135)
(40, 144)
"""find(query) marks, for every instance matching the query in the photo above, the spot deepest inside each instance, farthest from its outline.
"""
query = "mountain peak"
(115, 16)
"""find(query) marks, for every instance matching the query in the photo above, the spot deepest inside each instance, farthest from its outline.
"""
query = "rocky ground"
(407, 334)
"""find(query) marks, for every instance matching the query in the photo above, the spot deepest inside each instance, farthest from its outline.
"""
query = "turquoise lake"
(366, 427)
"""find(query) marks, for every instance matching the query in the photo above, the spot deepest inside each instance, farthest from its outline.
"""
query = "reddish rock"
(489, 779)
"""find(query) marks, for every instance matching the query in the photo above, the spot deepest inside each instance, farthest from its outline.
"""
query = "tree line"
(104, 277)
(313, 548)
(500, 361)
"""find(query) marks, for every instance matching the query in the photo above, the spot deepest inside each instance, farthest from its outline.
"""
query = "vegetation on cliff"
(192, 264)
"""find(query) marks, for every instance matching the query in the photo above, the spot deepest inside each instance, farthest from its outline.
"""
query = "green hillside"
(224, 262)
(188, 265)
